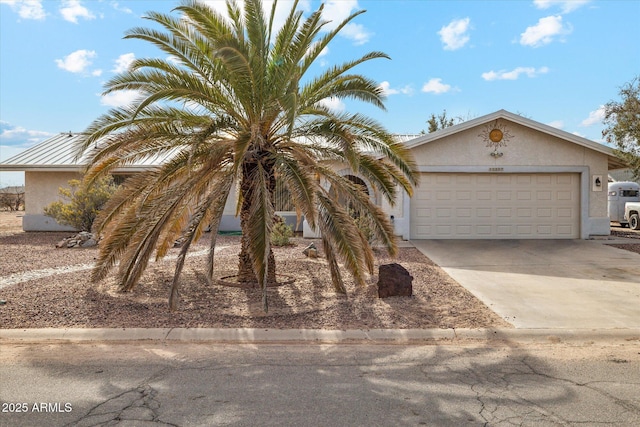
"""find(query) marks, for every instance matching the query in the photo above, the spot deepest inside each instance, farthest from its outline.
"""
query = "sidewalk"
(317, 336)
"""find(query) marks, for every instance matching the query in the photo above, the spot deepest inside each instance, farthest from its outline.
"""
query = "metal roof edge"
(41, 168)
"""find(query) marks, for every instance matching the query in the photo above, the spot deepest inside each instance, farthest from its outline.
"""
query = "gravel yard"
(48, 287)
(627, 234)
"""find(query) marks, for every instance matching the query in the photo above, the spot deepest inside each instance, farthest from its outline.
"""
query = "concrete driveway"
(569, 284)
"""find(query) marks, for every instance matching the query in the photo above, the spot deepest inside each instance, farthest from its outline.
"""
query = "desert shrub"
(281, 232)
(82, 204)
(363, 222)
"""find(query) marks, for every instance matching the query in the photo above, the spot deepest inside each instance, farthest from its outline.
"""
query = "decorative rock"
(394, 281)
(80, 240)
(84, 235)
(89, 243)
(311, 251)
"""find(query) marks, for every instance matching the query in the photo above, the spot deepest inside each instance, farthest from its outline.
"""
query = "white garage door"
(496, 206)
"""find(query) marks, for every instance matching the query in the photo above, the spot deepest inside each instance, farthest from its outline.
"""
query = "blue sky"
(556, 62)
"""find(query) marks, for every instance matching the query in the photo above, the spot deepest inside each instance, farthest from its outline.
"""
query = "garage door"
(496, 206)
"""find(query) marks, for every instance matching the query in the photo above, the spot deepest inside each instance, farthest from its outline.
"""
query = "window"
(283, 200)
(629, 193)
(119, 179)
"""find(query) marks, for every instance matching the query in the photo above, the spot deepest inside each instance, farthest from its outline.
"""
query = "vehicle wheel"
(634, 222)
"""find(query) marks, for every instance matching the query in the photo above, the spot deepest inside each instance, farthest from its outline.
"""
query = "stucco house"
(499, 176)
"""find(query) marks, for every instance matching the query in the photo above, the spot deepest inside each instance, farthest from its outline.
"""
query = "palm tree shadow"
(391, 385)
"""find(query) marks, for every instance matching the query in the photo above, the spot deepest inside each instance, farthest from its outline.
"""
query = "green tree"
(82, 203)
(622, 120)
(440, 122)
(235, 103)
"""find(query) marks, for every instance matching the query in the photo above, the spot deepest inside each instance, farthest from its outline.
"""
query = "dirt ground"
(47, 287)
(10, 222)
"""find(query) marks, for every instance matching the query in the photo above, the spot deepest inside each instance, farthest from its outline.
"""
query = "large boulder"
(394, 281)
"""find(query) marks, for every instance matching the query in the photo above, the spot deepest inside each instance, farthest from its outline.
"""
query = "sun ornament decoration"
(495, 135)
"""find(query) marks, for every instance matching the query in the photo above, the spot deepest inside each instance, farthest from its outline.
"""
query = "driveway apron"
(567, 284)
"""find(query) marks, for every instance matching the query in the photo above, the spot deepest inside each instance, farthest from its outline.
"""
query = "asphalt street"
(472, 383)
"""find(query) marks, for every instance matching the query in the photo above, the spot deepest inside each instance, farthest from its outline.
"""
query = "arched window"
(343, 200)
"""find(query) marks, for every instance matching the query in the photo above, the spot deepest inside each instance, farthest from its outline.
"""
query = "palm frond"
(340, 231)
(260, 226)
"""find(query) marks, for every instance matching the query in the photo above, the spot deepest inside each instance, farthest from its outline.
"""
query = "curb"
(317, 336)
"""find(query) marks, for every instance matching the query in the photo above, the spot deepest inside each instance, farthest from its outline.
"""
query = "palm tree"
(234, 106)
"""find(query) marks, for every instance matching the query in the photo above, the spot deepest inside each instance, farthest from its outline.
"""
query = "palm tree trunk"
(246, 273)
(245, 267)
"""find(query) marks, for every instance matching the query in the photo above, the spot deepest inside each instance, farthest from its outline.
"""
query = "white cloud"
(334, 104)
(544, 31)
(436, 86)
(120, 8)
(357, 33)
(76, 62)
(514, 74)
(96, 73)
(27, 9)
(282, 10)
(565, 5)
(14, 140)
(595, 117)
(558, 124)
(121, 98)
(17, 135)
(336, 11)
(73, 9)
(323, 52)
(454, 36)
(387, 90)
(123, 62)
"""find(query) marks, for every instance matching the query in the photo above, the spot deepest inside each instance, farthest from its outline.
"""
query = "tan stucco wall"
(232, 200)
(598, 166)
(525, 149)
(41, 189)
(396, 210)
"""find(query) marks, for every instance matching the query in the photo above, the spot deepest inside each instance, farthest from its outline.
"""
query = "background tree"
(12, 198)
(622, 119)
(83, 203)
(441, 121)
(235, 104)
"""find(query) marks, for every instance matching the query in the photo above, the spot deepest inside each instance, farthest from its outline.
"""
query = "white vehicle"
(621, 193)
(632, 214)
